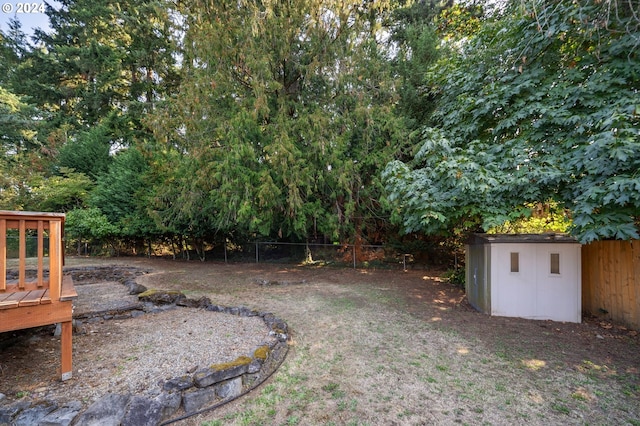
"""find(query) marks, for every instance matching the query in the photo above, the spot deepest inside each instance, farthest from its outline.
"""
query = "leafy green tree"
(119, 194)
(62, 193)
(415, 36)
(20, 156)
(76, 71)
(542, 104)
(93, 78)
(88, 225)
(284, 119)
(15, 191)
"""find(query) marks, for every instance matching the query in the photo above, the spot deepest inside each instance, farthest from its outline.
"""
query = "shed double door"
(536, 281)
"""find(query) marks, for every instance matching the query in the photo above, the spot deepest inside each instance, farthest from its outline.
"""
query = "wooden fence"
(611, 281)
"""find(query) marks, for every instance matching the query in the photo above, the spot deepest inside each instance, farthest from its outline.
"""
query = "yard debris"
(266, 282)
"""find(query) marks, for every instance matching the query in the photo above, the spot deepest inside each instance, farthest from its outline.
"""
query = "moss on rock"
(161, 297)
(241, 360)
(153, 291)
(261, 353)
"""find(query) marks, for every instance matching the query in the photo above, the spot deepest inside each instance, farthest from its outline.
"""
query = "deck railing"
(47, 226)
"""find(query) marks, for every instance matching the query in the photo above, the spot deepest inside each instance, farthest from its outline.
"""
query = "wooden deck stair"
(46, 298)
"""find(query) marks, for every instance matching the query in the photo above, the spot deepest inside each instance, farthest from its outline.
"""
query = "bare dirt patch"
(388, 347)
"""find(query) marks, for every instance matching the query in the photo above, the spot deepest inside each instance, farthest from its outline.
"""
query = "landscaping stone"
(169, 403)
(216, 308)
(178, 383)
(196, 399)
(202, 303)
(34, 414)
(209, 376)
(136, 313)
(230, 389)
(255, 366)
(63, 416)
(161, 297)
(246, 312)
(142, 411)
(134, 287)
(78, 327)
(276, 325)
(107, 411)
(8, 412)
(250, 379)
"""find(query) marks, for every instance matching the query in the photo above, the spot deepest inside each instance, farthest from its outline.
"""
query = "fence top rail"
(7, 214)
(30, 219)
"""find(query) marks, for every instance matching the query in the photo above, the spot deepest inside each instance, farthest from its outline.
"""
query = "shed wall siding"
(477, 281)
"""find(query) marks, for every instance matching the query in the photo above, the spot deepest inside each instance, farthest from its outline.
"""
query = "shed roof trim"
(521, 238)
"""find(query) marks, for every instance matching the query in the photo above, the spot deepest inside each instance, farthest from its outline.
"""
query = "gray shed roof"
(520, 238)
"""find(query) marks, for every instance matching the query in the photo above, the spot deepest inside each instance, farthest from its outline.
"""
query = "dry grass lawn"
(388, 347)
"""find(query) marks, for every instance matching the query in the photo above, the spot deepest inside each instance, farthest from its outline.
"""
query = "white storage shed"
(534, 276)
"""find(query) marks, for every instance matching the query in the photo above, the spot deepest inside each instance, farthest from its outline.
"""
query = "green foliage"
(459, 21)
(88, 225)
(455, 276)
(91, 80)
(282, 117)
(540, 105)
(119, 194)
(417, 41)
(102, 67)
(87, 153)
(538, 218)
(17, 129)
(13, 45)
(63, 193)
(283, 122)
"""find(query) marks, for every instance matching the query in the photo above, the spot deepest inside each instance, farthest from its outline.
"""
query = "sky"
(30, 14)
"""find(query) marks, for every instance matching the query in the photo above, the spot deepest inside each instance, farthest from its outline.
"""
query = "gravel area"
(134, 355)
(101, 297)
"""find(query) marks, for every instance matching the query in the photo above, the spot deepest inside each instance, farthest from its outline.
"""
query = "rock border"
(180, 397)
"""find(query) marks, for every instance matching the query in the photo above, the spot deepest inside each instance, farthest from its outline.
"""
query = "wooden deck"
(46, 298)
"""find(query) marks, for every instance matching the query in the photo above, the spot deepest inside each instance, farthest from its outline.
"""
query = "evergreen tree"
(284, 119)
(103, 63)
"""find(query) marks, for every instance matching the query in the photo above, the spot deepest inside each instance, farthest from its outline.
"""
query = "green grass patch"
(560, 408)
(343, 304)
(293, 420)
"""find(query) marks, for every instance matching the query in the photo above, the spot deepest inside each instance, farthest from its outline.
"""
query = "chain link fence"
(339, 255)
(363, 256)
(31, 243)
